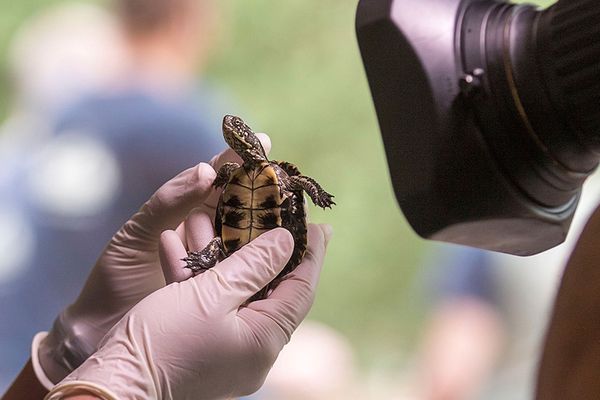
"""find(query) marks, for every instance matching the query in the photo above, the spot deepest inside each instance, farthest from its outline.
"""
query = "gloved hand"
(197, 339)
(126, 272)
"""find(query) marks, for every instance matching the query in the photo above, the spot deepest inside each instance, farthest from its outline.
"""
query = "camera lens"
(533, 78)
(489, 112)
(571, 37)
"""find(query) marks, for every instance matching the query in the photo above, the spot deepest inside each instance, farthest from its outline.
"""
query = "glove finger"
(171, 250)
(230, 156)
(233, 281)
(199, 230)
(169, 205)
(181, 231)
(291, 300)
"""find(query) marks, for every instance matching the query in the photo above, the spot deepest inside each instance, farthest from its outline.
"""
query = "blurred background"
(103, 101)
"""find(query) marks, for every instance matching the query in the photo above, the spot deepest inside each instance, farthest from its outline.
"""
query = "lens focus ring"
(574, 46)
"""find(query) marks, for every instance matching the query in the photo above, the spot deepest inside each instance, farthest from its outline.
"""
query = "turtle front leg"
(289, 168)
(316, 193)
(224, 173)
(200, 261)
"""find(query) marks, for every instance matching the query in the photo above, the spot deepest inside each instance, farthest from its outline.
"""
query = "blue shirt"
(106, 156)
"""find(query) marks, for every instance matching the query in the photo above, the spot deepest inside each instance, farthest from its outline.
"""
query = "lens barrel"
(489, 112)
(570, 38)
(536, 106)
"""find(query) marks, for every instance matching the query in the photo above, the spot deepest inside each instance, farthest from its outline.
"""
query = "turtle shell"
(255, 200)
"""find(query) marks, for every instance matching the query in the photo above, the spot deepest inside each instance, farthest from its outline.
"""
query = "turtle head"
(242, 140)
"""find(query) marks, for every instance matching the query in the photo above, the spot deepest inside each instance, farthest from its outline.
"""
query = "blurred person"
(317, 364)
(484, 335)
(568, 367)
(465, 330)
(115, 108)
(50, 61)
(50, 65)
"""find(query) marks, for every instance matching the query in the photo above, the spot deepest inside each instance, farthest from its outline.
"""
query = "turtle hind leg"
(200, 261)
(316, 193)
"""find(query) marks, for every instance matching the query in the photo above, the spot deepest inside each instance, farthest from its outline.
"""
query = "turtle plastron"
(257, 196)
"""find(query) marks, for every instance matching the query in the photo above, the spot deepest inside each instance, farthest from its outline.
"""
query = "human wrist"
(117, 370)
(80, 390)
(57, 353)
(38, 370)
(82, 395)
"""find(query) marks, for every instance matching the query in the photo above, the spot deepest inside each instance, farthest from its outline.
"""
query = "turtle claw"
(325, 200)
(200, 261)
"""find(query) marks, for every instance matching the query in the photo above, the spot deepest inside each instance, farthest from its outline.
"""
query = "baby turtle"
(257, 196)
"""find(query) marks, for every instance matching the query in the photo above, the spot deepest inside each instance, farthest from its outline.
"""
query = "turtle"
(257, 196)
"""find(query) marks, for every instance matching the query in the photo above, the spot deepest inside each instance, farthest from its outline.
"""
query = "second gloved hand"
(197, 339)
(126, 272)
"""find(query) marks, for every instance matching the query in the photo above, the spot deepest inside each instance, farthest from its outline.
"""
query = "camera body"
(474, 137)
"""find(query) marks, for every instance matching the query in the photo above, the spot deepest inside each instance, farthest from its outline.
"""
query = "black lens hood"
(448, 181)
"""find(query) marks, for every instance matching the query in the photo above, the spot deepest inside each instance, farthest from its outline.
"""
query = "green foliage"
(297, 71)
(295, 68)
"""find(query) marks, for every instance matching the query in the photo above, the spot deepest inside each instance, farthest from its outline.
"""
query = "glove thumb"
(249, 269)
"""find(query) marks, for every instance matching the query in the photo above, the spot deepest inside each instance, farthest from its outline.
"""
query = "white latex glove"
(196, 339)
(126, 272)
